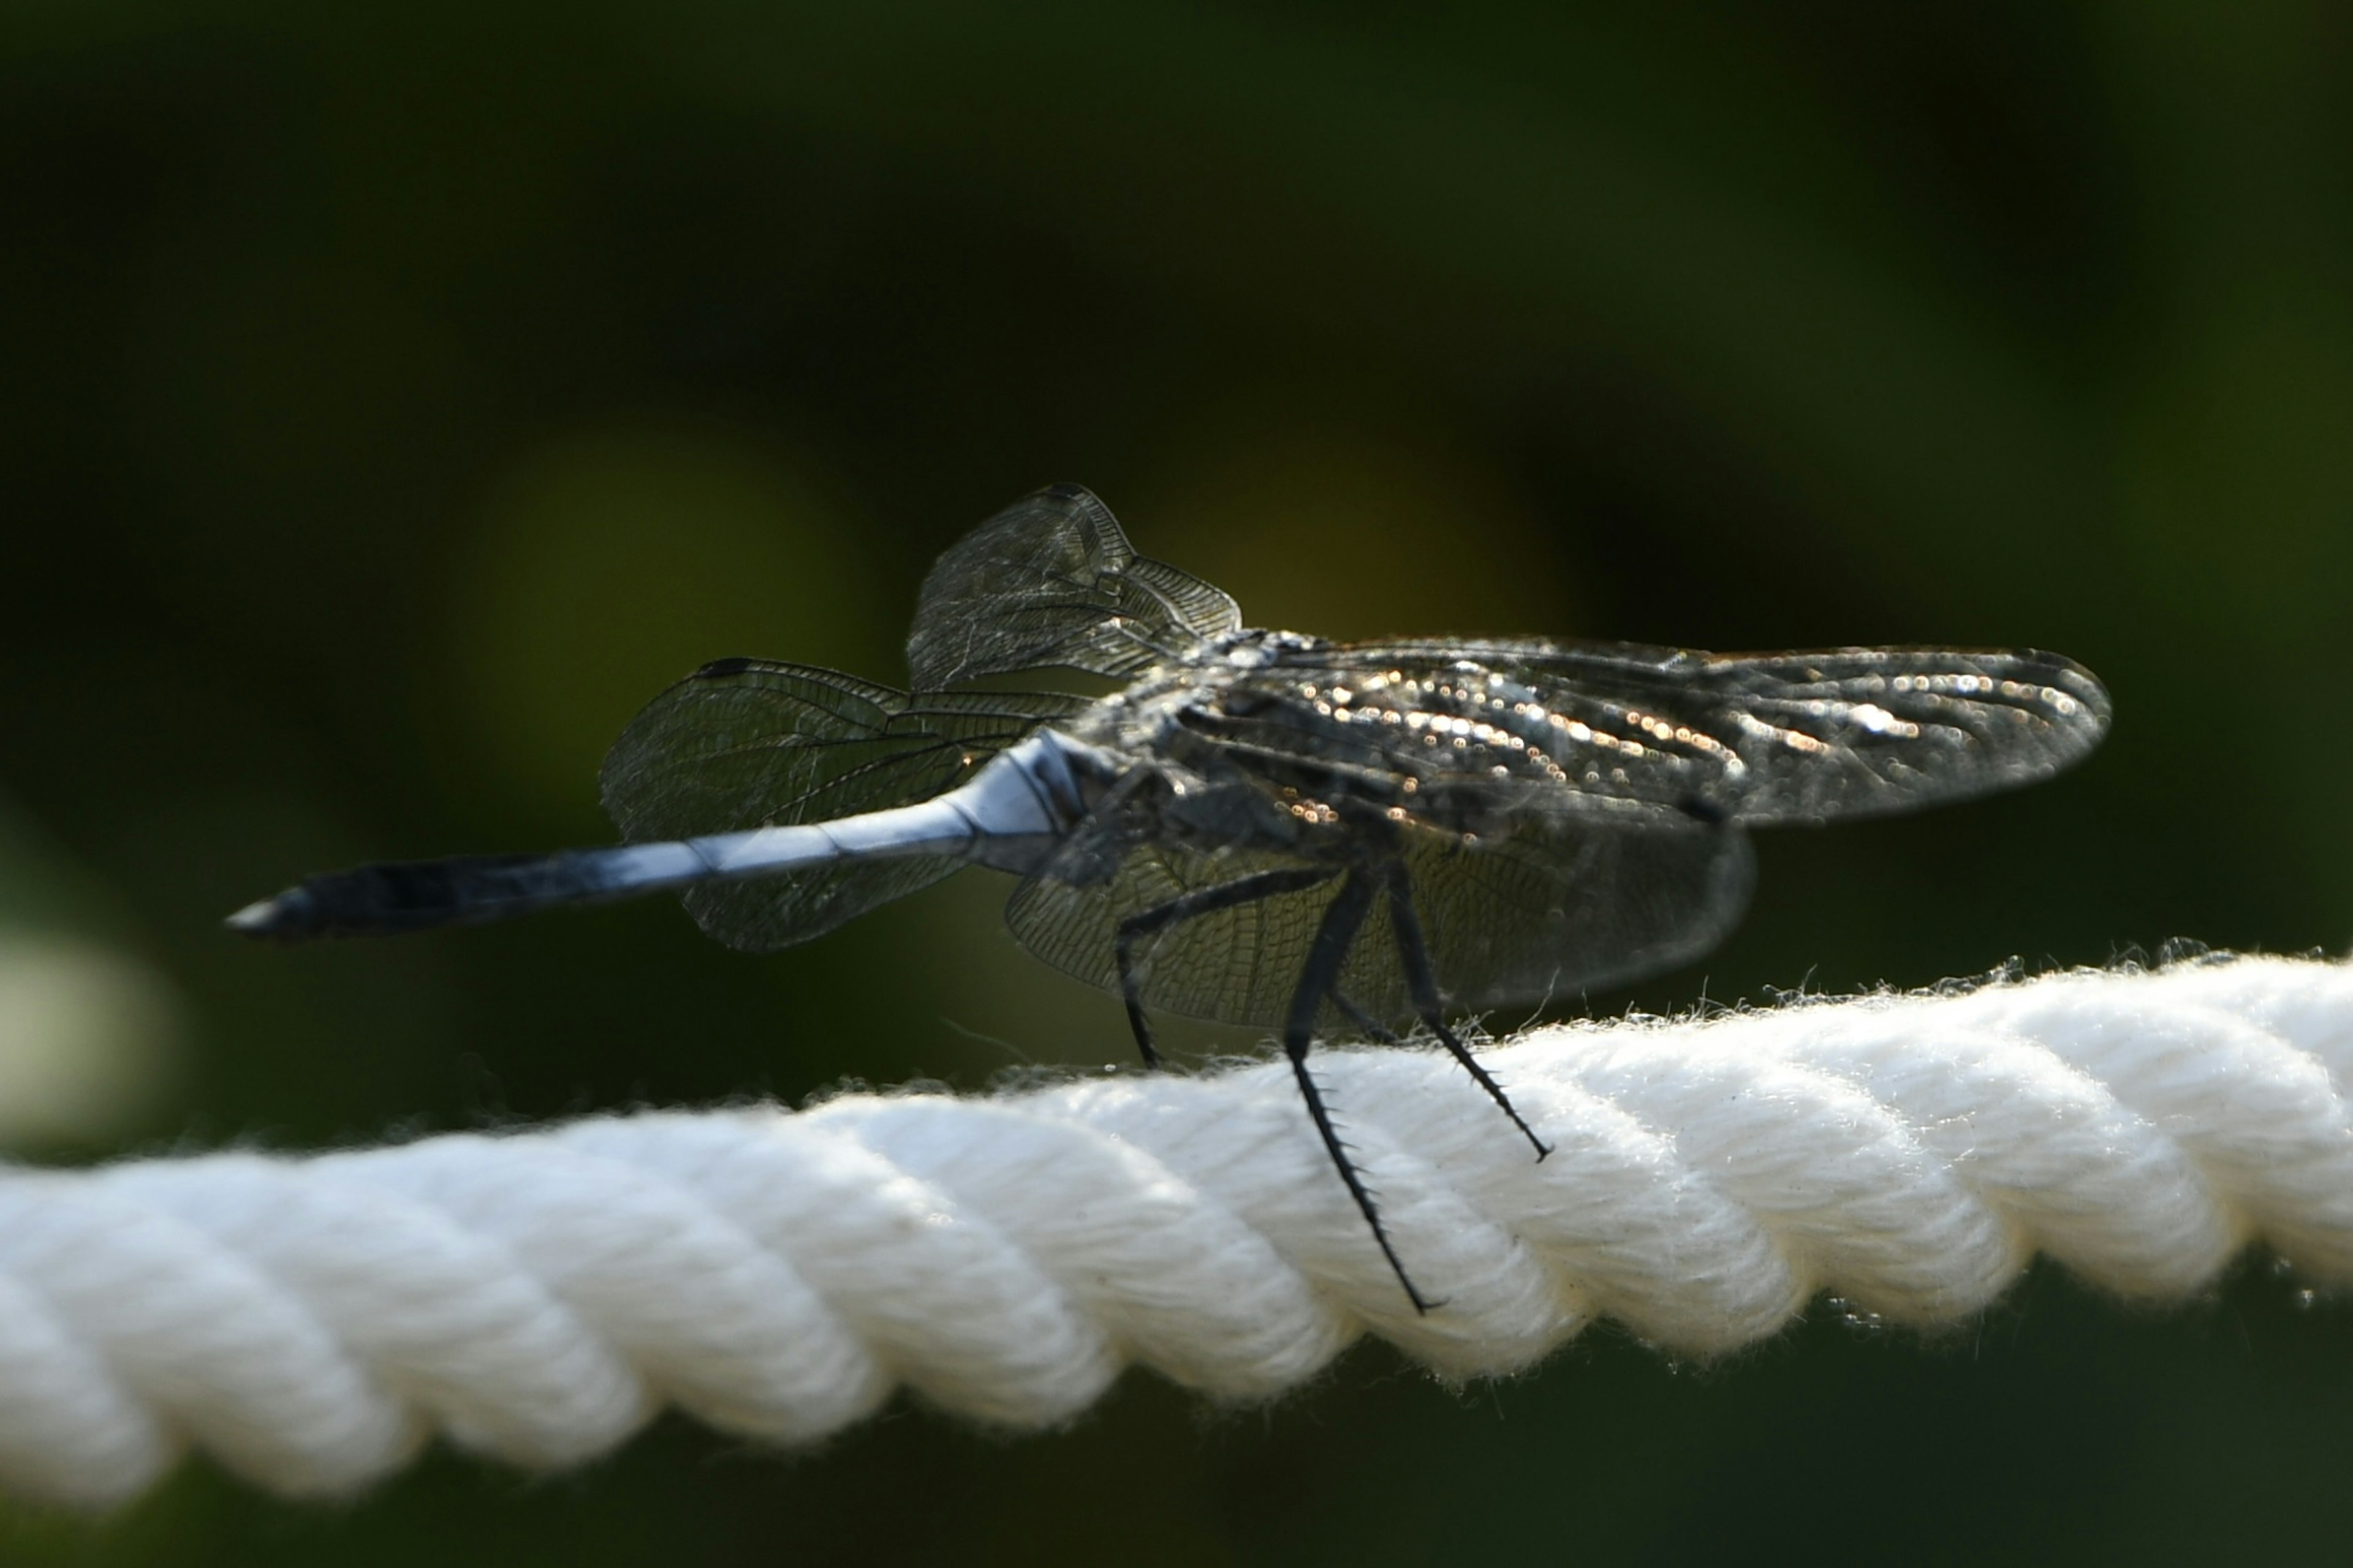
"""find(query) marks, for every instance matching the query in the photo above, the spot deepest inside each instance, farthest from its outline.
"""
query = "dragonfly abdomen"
(1011, 814)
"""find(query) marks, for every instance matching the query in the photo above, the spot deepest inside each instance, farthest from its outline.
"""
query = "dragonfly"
(1256, 827)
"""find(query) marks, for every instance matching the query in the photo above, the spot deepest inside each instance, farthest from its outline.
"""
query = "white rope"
(309, 1321)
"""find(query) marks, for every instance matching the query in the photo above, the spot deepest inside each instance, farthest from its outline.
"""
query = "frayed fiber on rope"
(310, 1321)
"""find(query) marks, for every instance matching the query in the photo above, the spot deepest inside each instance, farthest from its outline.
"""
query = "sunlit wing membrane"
(1490, 729)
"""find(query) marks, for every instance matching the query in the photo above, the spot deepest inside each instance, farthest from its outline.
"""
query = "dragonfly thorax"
(1029, 800)
(1255, 648)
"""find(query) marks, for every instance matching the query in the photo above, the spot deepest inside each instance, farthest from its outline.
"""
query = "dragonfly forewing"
(1460, 733)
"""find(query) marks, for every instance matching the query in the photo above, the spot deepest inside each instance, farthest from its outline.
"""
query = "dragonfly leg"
(1190, 906)
(1342, 917)
(1421, 983)
(1372, 1027)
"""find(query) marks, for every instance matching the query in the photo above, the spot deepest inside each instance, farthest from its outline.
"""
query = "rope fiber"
(310, 1321)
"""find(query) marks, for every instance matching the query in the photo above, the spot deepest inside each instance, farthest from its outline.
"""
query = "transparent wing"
(1489, 729)
(1052, 582)
(1563, 906)
(746, 744)
(1238, 966)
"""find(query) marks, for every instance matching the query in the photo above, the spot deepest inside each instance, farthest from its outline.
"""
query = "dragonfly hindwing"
(748, 743)
(1052, 582)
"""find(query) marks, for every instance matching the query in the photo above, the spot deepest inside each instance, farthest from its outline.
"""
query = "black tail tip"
(393, 897)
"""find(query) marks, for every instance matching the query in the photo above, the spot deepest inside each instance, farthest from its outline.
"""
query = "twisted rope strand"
(310, 1321)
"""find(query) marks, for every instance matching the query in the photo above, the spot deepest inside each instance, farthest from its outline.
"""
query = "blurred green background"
(394, 398)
